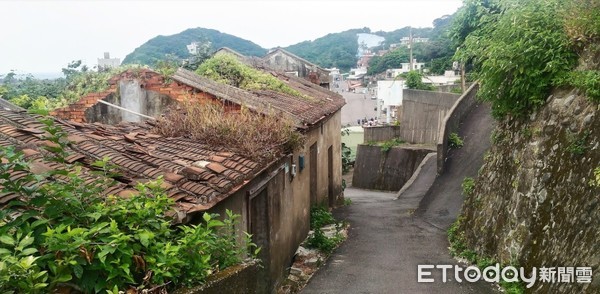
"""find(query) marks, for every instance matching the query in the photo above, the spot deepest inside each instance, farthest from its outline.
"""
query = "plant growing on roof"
(261, 137)
(227, 69)
(62, 234)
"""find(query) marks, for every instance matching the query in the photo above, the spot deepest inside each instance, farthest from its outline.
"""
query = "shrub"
(468, 185)
(320, 216)
(517, 51)
(227, 69)
(387, 145)
(454, 141)
(67, 235)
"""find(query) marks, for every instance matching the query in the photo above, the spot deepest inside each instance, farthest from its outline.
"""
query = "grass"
(254, 135)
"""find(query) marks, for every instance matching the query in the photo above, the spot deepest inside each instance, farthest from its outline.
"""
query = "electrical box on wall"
(301, 162)
(293, 170)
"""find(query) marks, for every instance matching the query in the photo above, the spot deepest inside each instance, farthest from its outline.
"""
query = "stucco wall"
(423, 114)
(287, 63)
(131, 96)
(452, 121)
(378, 170)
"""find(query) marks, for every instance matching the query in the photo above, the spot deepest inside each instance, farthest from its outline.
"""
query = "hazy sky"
(44, 36)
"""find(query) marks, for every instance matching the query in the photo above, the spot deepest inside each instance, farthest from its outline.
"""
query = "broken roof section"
(196, 177)
(305, 112)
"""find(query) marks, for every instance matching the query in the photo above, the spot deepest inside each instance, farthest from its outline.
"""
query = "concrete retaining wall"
(423, 115)
(381, 133)
(452, 121)
(236, 279)
(378, 170)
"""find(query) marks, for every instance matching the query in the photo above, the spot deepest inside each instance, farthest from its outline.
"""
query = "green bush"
(68, 234)
(454, 141)
(468, 185)
(320, 216)
(227, 69)
(516, 50)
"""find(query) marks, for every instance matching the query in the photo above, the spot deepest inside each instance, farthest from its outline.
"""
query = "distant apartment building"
(405, 67)
(404, 41)
(107, 62)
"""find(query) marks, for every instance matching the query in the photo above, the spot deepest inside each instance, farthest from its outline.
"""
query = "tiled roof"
(9, 106)
(196, 176)
(305, 111)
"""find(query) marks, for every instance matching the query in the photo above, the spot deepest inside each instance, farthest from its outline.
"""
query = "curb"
(416, 174)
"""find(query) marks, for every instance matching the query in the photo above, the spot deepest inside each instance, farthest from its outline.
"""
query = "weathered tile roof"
(196, 176)
(304, 111)
(9, 106)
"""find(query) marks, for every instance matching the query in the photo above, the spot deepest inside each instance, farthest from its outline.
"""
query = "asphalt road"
(389, 236)
(358, 106)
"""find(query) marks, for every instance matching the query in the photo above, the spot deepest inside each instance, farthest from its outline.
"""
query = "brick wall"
(149, 80)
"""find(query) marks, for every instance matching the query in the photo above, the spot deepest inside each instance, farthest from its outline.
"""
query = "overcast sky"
(43, 36)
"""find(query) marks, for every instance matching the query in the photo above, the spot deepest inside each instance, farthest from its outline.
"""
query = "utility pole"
(410, 40)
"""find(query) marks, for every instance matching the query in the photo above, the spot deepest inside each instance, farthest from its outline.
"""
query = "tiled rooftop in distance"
(196, 176)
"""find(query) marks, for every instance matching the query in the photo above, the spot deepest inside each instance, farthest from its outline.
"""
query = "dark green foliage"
(454, 141)
(414, 80)
(586, 80)
(578, 144)
(468, 185)
(389, 144)
(517, 51)
(158, 47)
(320, 216)
(333, 50)
(227, 69)
(392, 59)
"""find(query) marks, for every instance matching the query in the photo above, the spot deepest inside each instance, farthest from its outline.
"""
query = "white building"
(404, 68)
(389, 95)
(107, 62)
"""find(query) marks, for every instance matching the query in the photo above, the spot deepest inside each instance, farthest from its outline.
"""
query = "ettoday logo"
(495, 274)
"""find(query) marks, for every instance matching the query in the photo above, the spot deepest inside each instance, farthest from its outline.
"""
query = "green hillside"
(158, 47)
(333, 50)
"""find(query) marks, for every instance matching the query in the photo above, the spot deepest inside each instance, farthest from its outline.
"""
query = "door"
(330, 194)
(313, 174)
(258, 216)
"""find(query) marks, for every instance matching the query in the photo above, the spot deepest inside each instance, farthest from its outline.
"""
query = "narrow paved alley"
(390, 236)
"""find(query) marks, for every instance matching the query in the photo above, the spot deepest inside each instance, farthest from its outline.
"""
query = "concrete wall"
(378, 170)
(452, 121)
(423, 114)
(280, 61)
(131, 96)
(382, 133)
(239, 279)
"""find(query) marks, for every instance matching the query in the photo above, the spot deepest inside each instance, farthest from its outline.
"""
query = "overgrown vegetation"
(578, 144)
(414, 80)
(320, 217)
(459, 248)
(32, 93)
(255, 135)
(519, 49)
(596, 180)
(468, 185)
(347, 160)
(455, 141)
(62, 235)
(389, 144)
(227, 69)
